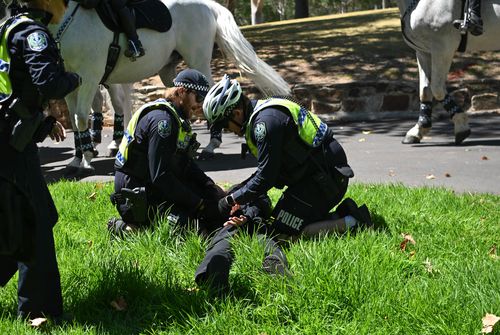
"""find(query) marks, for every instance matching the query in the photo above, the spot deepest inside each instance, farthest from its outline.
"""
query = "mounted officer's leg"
(127, 21)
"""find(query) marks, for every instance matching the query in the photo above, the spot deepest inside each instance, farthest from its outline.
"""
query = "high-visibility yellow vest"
(183, 138)
(310, 128)
(8, 26)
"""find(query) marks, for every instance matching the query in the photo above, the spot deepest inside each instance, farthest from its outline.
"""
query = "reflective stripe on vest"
(5, 84)
(183, 137)
(309, 126)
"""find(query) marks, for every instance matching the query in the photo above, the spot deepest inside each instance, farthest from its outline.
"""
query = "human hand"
(236, 221)
(58, 133)
(234, 209)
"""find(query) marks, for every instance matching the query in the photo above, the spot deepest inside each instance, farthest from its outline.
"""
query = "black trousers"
(219, 257)
(39, 285)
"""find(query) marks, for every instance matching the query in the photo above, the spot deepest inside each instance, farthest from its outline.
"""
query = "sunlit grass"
(353, 284)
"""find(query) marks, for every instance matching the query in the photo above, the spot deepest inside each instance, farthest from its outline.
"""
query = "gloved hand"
(225, 205)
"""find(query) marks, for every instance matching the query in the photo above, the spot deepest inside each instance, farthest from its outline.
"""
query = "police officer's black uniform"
(317, 178)
(37, 74)
(170, 177)
(215, 266)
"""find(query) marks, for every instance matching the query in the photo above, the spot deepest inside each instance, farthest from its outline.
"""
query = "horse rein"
(65, 24)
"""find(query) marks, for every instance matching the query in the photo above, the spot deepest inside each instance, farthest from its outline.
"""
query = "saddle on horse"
(471, 21)
(128, 15)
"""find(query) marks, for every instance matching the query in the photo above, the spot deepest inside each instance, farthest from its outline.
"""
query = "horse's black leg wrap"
(425, 117)
(96, 120)
(78, 146)
(451, 106)
(118, 128)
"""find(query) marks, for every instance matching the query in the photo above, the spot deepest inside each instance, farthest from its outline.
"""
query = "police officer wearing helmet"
(31, 73)
(294, 148)
(155, 168)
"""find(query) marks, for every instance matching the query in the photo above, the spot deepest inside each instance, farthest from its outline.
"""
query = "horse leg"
(424, 123)
(74, 165)
(96, 120)
(120, 99)
(83, 140)
(440, 68)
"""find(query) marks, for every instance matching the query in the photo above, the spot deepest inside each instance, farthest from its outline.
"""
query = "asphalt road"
(374, 151)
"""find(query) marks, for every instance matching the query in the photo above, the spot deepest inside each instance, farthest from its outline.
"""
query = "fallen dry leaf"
(119, 304)
(366, 132)
(192, 289)
(37, 322)
(362, 140)
(489, 322)
(90, 243)
(392, 173)
(407, 238)
(430, 176)
(93, 196)
(447, 175)
(493, 252)
(99, 186)
(484, 158)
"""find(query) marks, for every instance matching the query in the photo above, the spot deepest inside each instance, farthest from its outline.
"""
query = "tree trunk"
(301, 9)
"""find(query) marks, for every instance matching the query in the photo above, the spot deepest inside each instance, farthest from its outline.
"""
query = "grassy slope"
(361, 284)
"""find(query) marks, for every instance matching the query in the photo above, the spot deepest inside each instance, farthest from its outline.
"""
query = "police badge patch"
(164, 128)
(260, 131)
(37, 41)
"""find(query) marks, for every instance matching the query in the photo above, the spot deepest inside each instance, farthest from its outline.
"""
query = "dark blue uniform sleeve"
(44, 63)
(162, 134)
(268, 131)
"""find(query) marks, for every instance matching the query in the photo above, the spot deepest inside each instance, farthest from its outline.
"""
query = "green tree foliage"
(277, 10)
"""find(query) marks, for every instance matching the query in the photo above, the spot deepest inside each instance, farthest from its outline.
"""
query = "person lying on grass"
(294, 148)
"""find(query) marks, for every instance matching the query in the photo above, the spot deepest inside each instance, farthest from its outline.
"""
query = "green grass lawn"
(445, 283)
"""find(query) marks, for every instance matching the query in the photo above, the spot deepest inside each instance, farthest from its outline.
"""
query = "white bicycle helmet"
(221, 99)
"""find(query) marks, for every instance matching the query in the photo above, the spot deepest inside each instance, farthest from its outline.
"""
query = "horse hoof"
(410, 140)
(461, 136)
(112, 152)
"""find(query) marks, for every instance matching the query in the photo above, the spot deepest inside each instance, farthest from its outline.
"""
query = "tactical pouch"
(131, 204)
(17, 224)
(26, 126)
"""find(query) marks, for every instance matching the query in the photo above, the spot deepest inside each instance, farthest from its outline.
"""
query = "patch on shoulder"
(38, 41)
(260, 131)
(164, 128)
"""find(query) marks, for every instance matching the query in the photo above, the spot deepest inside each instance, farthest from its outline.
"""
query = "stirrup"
(461, 25)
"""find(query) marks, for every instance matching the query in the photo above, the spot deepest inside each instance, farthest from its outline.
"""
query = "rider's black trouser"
(127, 19)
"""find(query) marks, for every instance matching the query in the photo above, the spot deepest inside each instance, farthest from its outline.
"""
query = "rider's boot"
(475, 22)
(135, 49)
(127, 20)
(472, 22)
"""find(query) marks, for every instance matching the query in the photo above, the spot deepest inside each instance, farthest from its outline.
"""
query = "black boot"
(135, 49)
(475, 24)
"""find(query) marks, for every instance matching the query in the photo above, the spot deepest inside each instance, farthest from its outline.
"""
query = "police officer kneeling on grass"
(294, 148)
(155, 169)
(31, 73)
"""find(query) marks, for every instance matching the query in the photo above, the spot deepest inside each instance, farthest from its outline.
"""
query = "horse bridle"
(64, 25)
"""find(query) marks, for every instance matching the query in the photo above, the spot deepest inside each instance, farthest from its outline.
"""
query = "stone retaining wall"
(354, 101)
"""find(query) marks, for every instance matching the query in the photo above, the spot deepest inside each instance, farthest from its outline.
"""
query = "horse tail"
(235, 47)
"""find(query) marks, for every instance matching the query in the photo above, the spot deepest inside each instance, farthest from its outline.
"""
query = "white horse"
(427, 28)
(196, 25)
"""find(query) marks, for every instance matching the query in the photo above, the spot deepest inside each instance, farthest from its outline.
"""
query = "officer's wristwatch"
(230, 200)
